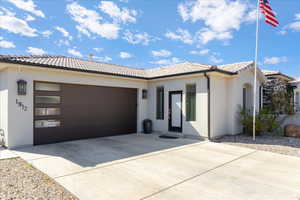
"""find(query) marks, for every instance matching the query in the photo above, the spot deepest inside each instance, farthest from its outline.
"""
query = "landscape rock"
(292, 131)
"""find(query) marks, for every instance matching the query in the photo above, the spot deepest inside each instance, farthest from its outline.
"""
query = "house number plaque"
(21, 105)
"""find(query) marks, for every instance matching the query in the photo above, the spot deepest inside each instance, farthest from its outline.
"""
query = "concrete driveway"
(148, 167)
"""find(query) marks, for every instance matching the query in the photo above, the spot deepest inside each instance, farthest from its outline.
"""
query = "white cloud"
(6, 44)
(27, 5)
(62, 42)
(275, 60)
(294, 26)
(46, 33)
(183, 10)
(29, 18)
(282, 32)
(103, 58)
(89, 21)
(97, 49)
(74, 52)
(123, 15)
(138, 38)
(200, 52)
(215, 59)
(220, 17)
(181, 35)
(125, 55)
(170, 61)
(35, 51)
(64, 32)
(9, 22)
(161, 53)
(251, 16)
(205, 35)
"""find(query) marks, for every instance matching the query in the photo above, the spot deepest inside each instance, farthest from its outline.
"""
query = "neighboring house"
(296, 84)
(69, 98)
(289, 81)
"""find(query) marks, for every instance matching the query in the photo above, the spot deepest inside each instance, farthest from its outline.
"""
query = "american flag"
(268, 12)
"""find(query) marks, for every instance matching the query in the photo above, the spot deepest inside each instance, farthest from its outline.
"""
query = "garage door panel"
(91, 111)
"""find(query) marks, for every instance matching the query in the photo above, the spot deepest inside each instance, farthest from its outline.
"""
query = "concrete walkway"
(6, 154)
(147, 167)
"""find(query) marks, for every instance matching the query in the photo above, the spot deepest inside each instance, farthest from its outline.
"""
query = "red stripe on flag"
(270, 13)
(272, 19)
(270, 16)
(267, 6)
(271, 23)
(269, 10)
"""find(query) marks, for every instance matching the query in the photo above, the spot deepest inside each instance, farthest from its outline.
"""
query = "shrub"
(266, 121)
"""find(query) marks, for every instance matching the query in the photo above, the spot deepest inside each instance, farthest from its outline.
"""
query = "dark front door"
(79, 111)
(175, 111)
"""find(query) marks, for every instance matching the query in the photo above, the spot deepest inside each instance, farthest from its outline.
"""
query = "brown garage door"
(69, 112)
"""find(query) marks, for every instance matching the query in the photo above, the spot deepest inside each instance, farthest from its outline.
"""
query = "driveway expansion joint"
(198, 175)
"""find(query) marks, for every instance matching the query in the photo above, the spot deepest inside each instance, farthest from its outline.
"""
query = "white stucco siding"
(219, 106)
(235, 98)
(195, 128)
(20, 122)
(4, 104)
(225, 100)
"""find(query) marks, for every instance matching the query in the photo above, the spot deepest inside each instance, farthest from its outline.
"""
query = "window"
(47, 87)
(47, 99)
(297, 101)
(260, 97)
(144, 94)
(190, 102)
(160, 103)
(47, 123)
(47, 111)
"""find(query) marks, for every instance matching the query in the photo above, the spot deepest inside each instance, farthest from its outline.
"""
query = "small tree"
(278, 97)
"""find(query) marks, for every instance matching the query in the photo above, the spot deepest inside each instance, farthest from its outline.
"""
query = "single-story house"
(296, 84)
(288, 80)
(46, 99)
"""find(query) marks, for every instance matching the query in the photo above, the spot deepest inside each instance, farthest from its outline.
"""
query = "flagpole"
(255, 69)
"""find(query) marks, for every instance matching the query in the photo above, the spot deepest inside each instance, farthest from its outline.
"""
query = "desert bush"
(266, 121)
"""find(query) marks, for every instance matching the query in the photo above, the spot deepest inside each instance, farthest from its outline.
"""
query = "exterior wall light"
(22, 85)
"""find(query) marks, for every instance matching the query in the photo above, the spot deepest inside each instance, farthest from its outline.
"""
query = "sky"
(152, 33)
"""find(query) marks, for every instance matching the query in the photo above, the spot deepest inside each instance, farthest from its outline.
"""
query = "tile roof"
(75, 64)
(236, 67)
(273, 73)
(180, 68)
(270, 72)
(296, 80)
(62, 62)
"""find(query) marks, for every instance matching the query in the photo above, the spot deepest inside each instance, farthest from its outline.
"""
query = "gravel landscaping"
(275, 144)
(19, 180)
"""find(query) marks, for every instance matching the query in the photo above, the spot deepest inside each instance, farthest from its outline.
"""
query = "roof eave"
(280, 74)
(194, 72)
(115, 74)
(69, 69)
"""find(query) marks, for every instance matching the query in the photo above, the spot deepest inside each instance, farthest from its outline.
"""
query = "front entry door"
(175, 111)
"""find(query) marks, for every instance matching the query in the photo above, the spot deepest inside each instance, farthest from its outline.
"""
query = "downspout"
(208, 106)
